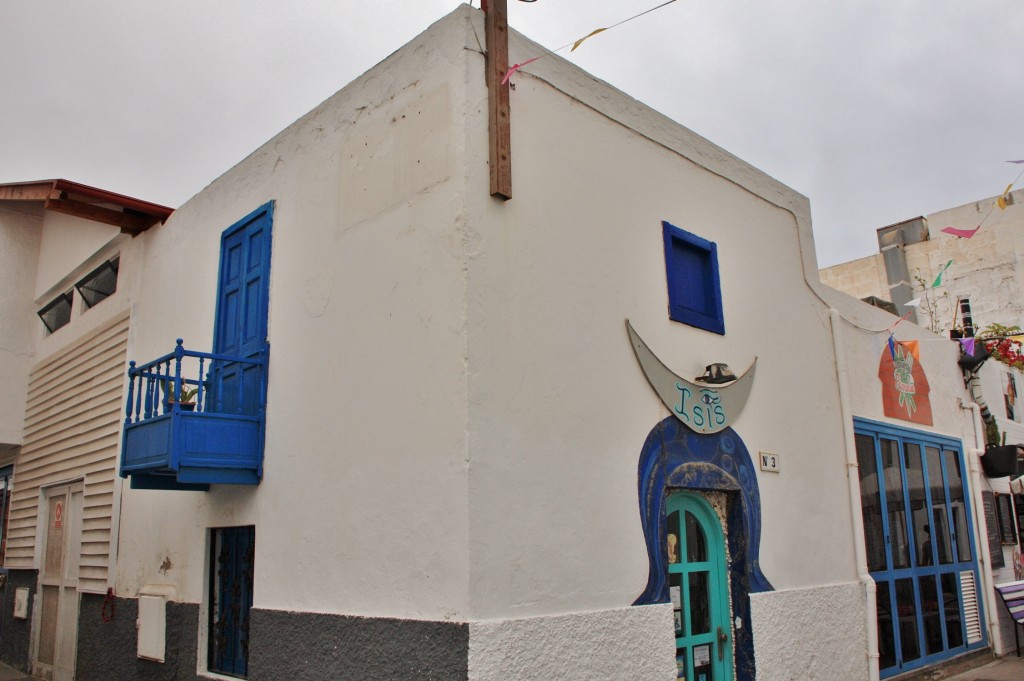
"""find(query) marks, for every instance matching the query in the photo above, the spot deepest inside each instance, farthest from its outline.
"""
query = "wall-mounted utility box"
(21, 603)
(152, 622)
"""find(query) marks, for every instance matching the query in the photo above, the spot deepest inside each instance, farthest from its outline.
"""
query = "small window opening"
(57, 312)
(694, 290)
(99, 284)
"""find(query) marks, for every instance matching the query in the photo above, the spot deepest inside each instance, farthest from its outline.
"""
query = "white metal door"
(57, 637)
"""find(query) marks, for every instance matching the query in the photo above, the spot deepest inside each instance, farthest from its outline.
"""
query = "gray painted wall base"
(107, 650)
(284, 645)
(15, 635)
(312, 647)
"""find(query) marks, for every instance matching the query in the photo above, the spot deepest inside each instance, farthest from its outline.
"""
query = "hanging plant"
(1004, 349)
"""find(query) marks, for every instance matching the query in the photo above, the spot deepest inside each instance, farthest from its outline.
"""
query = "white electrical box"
(21, 603)
(152, 622)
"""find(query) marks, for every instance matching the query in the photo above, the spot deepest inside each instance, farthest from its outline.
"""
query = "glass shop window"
(57, 312)
(99, 284)
(232, 558)
(919, 546)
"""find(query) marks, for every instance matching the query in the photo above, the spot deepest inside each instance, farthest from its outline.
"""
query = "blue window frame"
(694, 288)
(919, 544)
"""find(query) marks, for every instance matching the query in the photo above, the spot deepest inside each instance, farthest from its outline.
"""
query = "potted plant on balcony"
(184, 399)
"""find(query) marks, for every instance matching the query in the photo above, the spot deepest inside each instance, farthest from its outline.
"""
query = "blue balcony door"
(242, 303)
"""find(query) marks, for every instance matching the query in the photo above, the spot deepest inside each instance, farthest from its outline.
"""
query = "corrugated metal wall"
(72, 431)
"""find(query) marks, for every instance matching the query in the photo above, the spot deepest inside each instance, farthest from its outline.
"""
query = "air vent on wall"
(972, 618)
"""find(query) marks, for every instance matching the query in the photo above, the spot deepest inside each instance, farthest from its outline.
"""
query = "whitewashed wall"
(362, 508)
(559, 409)
(455, 414)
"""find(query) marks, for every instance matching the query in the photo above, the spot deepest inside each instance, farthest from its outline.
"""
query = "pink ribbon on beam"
(516, 67)
(962, 233)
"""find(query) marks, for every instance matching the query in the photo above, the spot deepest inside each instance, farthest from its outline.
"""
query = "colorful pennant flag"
(892, 347)
(938, 279)
(962, 233)
(968, 345)
(580, 41)
(897, 323)
(1001, 201)
(577, 43)
(516, 67)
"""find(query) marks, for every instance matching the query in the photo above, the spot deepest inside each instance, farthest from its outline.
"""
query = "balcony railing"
(193, 419)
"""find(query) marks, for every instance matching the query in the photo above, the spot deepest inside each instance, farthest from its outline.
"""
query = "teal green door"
(698, 588)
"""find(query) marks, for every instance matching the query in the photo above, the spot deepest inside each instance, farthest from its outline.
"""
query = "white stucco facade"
(455, 416)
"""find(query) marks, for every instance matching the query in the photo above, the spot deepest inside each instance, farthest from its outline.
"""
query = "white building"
(424, 444)
(985, 279)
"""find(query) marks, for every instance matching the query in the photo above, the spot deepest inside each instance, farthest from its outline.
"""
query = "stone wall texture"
(314, 647)
(15, 634)
(817, 633)
(626, 644)
(107, 650)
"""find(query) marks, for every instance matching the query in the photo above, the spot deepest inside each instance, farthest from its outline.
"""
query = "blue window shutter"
(694, 288)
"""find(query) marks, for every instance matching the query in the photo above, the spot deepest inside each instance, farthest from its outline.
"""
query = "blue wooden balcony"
(194, 419)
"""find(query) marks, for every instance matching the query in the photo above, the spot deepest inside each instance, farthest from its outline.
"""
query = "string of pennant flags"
(968, 343)
(576, 43)
(909, 347)
(1002, 201)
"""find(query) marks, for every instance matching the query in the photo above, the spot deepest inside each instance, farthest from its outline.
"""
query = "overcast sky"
(877, 110)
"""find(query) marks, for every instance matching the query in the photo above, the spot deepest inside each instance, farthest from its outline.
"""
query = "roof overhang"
(132, 216)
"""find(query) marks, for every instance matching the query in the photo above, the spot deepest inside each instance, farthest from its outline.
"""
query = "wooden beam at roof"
(128, 222)
(500, 125)
(38, 191)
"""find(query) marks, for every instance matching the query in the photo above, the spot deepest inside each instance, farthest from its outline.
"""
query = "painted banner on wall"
(904, 385)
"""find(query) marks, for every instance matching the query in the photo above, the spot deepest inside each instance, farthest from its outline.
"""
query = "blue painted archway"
(675, 457)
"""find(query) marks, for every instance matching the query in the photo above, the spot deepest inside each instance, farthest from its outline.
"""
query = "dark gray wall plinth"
(107, 650)
(313, 647)
(15, 635)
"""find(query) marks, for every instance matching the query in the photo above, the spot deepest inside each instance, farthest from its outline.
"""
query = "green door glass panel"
(698, 587)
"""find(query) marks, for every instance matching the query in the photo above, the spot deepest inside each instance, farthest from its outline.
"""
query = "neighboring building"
(984, 285)
(985, 281)
(424, 442)
(69, 268)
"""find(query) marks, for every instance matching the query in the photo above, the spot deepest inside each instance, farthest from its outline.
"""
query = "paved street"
(1007, 668)
(9, 674)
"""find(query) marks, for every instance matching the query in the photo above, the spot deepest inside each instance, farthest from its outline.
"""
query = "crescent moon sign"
(703, 408)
